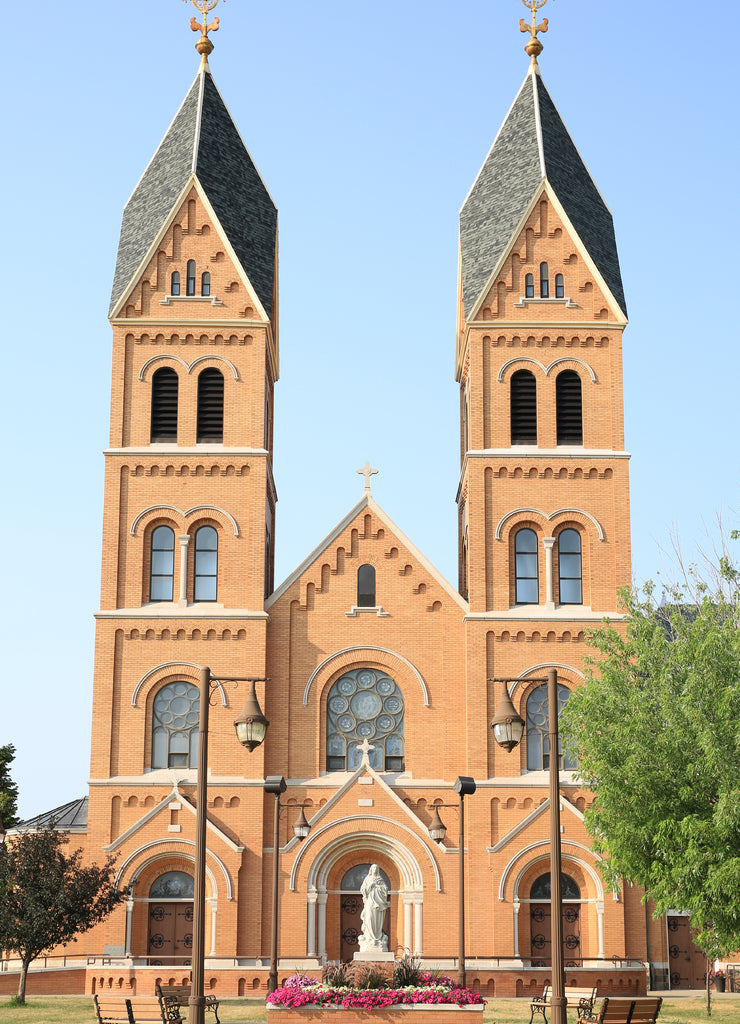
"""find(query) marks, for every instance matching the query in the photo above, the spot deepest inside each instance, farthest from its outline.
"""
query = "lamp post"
(508, 728)
(251, 726)
(463, 785)
(276, 784)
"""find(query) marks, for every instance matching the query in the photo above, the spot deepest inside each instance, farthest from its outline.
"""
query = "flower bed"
(429, 992)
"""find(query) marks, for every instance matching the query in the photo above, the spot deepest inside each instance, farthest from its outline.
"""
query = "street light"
(463, 785)
(276, 784)
(505, 736)
(251, 726)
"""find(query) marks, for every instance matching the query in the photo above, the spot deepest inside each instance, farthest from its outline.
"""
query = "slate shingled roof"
(532, 145)
(202, 140)
(69, 817)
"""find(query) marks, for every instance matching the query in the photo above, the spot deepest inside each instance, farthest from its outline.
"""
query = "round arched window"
(365, 704)
(172, 885)
(175, 717)
(542, 888)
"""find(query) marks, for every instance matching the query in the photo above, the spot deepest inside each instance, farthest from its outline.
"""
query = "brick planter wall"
(433, 1014)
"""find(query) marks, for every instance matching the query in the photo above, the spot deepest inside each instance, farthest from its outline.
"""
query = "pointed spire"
(204, 46)
(202, 143)
(533, 147)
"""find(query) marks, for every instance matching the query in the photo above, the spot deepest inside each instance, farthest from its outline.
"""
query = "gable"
(192, 233)
(367, 536)
(546, 236)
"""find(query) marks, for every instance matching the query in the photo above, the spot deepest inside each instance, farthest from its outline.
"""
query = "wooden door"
(686, 961)
(351, 924)
(170, 933)
(540, 916)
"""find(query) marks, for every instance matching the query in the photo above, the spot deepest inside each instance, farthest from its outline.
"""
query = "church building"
(379, 677)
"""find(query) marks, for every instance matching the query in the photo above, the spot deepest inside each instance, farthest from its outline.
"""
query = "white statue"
(375, 902)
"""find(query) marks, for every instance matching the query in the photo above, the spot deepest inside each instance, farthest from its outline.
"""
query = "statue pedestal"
(375, 956)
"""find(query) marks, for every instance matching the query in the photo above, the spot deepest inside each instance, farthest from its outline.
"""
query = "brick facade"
(441, 644)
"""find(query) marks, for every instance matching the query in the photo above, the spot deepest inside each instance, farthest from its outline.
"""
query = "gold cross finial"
(534, 46)
(204, 46)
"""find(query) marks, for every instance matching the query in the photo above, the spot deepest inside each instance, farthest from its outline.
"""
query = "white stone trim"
(549, 518)
(185, 514)
(174, 664)
(546, 369)
(164, 853)
(188, 366)
(324, 858)
(367, 647)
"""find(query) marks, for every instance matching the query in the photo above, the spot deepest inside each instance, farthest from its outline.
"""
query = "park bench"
(182, 994)
(137, 1009)
(621, 1010)
(581, 999)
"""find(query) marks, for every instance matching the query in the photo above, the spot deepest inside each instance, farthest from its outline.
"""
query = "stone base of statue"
(375, 956)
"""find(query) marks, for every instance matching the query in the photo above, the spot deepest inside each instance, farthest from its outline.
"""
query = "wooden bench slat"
(136, 1009)
(622, 1010)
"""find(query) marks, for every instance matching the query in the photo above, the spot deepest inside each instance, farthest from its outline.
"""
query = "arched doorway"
(170, 935)
(350, 924)
(540, 916)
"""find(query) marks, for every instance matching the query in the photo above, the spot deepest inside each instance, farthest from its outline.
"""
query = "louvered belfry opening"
(165, 385)
(523, 408)
(569, 408)
(210, 407)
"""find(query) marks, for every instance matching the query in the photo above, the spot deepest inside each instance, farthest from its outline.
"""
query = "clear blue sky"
(369, 124)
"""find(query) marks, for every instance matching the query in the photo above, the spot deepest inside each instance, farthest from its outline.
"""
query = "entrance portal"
(540, 916)
(171, 919)
(350, 918)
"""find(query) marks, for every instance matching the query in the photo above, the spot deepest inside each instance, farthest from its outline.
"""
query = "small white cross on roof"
(367, 471)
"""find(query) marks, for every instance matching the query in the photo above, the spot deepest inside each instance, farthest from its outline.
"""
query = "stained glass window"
(175, 717)
(538, 729)
(172, 885)
(365, 704)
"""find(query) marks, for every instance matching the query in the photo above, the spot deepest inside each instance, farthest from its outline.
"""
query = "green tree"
(47, 896)
(656, 731)
(8, 789)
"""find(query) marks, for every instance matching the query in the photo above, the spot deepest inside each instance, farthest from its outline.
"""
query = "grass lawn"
(79, 1010)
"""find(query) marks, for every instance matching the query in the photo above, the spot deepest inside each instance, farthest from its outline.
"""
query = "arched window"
(525, 558)
(559, 287)
(205, 586)
(523, 408)
(570, 567)
(538, 729)
(175, 283)
(569, 408)
(205, 284)
(542, 888)
(210, 425)
(365, 704)
(544, 281)
(165, 385)
(190, 287)
(529, 286)
(162, 564)
(172, 885)
(366, 586)
(175, 717)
